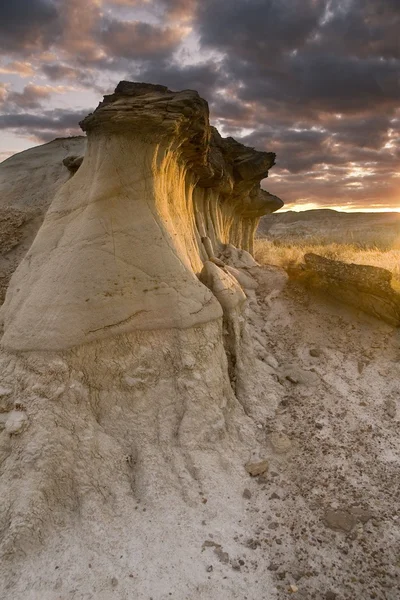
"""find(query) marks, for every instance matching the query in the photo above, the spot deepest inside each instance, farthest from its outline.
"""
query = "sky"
(315, 81)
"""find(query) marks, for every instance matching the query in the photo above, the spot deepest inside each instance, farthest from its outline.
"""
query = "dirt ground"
(327, 512)
(321, 407)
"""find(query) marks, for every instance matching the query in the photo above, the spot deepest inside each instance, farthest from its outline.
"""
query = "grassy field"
(287, 252)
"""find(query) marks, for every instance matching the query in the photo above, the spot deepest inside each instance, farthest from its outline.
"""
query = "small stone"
(280, 442)
(5, 391)
(247, 494)
(330, 596)
(390, 408)
(235, 565)
(271, 361)
(361, 514)
(319, 425)
(222, 556)
(16, 423)
(293, 379)
(209, 569)
(315, 352)
(262, 479)
(340, 520)
(241, 562)
(272, 567)
(293, 588)
(217, 261)
(253, 544)
(114, 582)
(210, 544)
(257, 468)
(274, 496)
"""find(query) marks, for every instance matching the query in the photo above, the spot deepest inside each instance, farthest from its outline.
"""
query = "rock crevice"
(158, 193)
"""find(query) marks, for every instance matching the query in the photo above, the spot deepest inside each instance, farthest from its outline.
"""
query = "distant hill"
(381, 230)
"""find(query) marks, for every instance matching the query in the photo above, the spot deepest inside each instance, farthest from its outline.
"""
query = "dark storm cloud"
(28, 24)
(258, 31)
(203, 77)
(46, 126)
(316, 81)
(57, 71)
(31, 97)
(138, 40)
(311, 84)
(362, 28)
(369, 132)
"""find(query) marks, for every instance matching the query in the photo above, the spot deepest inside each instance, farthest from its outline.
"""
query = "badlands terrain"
(178, 420)
(380, 230)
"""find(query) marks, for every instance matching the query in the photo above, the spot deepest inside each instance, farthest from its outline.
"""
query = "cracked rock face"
(365, 287)
(130, 383)
(158, 193)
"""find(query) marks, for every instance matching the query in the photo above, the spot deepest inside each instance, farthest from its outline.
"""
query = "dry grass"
(285, 253)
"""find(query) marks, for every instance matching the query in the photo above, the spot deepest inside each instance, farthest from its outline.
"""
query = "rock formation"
(130, 386)
(154, 170)
(28, 183)
(365, 287)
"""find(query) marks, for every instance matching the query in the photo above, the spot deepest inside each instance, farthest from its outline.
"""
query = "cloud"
(32, 96)
(24, 69)
(3, 92)
(203, 77)
(362, 28)
(28, 25)
(139, 40)
(57, 71)
(46, 126)
(316, 81)
(259, 31)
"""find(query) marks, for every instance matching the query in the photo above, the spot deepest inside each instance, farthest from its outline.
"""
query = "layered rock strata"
(157, 194)
(365, 287)
(131, 391)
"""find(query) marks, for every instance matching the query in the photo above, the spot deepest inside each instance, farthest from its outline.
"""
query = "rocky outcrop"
(28, 183)
(130, 390)
(365, 287)
(158, 193)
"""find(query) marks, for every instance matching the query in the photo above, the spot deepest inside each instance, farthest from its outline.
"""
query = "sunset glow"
(288, 77)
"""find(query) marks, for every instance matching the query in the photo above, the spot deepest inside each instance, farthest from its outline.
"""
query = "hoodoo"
(158, 192)
(130, 385)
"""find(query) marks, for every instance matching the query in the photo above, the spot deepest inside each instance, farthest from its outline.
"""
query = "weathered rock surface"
(362, 286)
(257, 468)
(154, 170)
(28, 183)
(129, 380)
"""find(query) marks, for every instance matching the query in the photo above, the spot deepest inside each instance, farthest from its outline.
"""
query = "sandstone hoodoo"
(157, 194)
(132, 388)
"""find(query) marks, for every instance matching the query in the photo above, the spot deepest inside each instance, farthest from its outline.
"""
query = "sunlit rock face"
(157, 194)
(365, 287)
